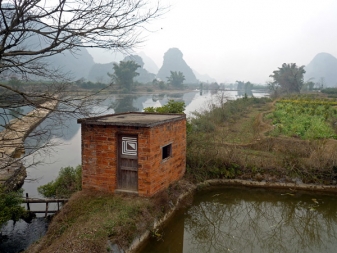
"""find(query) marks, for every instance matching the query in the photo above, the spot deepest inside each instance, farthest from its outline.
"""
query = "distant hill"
(173, 61)
(149, 64)
(204, 78)
(99, 72)
(144, 76)
(323, 65)
(75, 66)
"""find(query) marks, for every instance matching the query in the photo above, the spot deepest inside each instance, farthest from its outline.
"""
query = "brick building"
(133, 152)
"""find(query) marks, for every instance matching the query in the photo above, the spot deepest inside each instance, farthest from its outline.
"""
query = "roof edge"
(93, 120)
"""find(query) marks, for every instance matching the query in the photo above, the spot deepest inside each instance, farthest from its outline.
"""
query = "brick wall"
(99, 156)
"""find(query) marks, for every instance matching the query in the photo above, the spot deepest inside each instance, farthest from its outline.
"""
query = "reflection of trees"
(156, 97)
(52, 132)
(242, 93)
(175, 95)
(124, 104)
(261, 222)
(214, 92)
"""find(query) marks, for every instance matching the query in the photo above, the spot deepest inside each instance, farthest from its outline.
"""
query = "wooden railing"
(28, 201)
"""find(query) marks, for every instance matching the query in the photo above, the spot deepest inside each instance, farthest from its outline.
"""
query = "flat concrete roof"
(138, 119)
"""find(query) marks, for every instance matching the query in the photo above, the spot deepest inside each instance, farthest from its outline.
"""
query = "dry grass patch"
(90, 219)
(239, 148)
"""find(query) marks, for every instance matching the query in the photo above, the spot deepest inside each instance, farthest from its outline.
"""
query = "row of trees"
(126, 71)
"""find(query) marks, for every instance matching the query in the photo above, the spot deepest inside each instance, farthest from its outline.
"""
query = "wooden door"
(127, 173)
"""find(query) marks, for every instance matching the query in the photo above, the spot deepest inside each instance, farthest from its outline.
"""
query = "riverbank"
(235, 151)
(236, 141)
(139, 90)
(102, 222)
(99, 222)
(12, 171)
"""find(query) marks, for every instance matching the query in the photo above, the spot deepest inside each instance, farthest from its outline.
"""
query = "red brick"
(99, 156)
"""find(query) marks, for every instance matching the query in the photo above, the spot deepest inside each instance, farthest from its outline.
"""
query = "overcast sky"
(243, 39)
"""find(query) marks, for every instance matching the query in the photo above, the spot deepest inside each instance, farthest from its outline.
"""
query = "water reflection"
(20, 235)
(237, 220)
(8, 114)
(124, 104)
(64, 135)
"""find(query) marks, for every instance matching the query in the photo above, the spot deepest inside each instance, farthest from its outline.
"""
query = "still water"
(67, 136)
(251, 220)
(67, 150)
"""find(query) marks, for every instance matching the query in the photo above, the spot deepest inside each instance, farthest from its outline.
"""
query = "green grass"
(67, 182)
(236, 140)
(306, 119)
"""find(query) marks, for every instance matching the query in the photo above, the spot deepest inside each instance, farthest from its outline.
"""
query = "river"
(67, 152)
(251, 220)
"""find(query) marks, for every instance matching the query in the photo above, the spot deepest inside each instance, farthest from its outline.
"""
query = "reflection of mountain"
(124, 104)
(188, 97)
(59, 126)
(128, 103)
(65, 128)
(323, 68)
(139, 102)
(173, 61)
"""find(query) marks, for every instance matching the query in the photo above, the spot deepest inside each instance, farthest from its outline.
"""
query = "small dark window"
(166, 151)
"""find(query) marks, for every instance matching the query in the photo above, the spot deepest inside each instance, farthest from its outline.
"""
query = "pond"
(251, 220)
(67, 152)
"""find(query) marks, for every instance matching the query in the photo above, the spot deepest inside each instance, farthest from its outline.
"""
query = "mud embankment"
(12, 171)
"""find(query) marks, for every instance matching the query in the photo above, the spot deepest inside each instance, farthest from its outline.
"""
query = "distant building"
(133, 152)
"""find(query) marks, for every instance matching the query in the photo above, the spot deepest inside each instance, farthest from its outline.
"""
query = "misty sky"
(242, 39)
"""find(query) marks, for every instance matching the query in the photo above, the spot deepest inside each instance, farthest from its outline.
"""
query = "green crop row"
(307, 120)
(309, 102)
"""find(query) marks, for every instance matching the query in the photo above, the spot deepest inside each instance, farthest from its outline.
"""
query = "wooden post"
(46, 210)
(28, 207)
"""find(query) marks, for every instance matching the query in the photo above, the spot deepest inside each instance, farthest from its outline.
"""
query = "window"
(166, 151)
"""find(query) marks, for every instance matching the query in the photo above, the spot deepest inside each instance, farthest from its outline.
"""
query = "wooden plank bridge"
(29, 201)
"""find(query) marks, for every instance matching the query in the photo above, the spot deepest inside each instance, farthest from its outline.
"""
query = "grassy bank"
(235, 141)
(90, 219)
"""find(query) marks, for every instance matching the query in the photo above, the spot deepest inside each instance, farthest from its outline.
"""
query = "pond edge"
(139, 242)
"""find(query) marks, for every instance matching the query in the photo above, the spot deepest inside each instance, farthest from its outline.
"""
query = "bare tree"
(33, 30)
